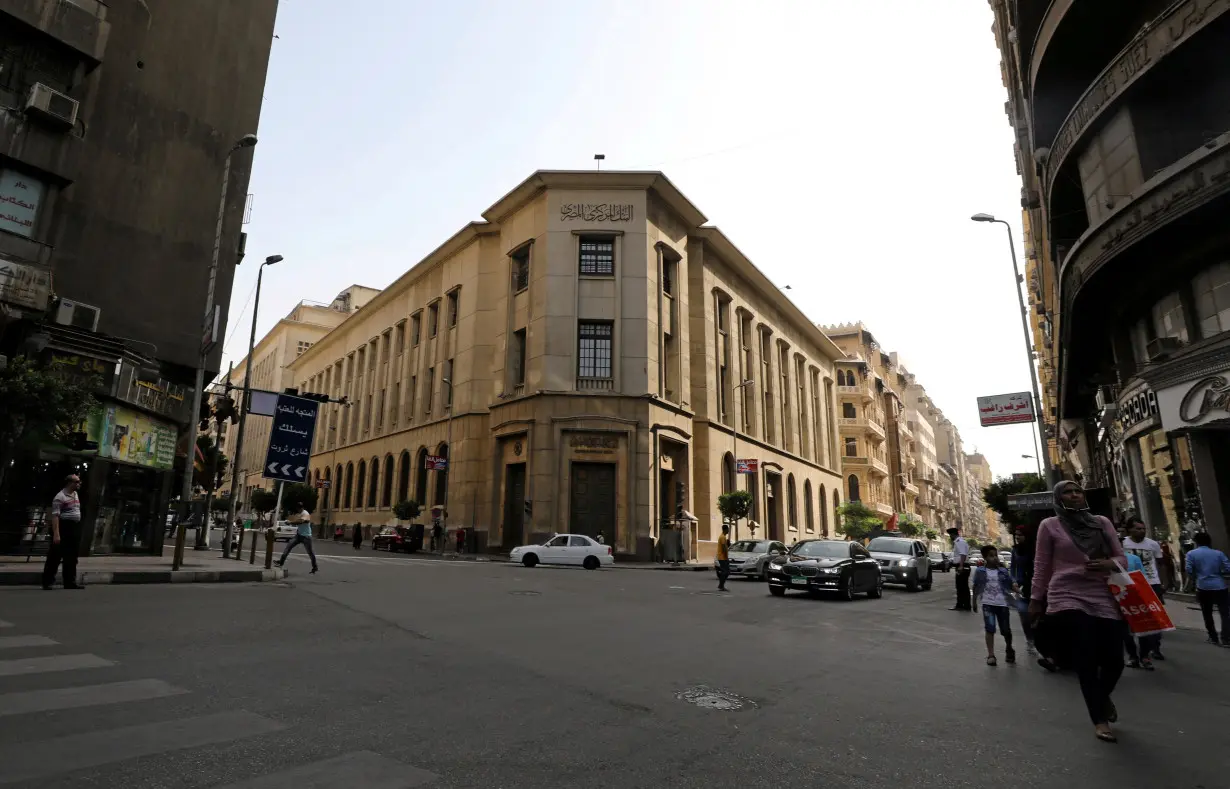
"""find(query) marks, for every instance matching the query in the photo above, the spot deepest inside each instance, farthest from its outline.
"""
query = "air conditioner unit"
(52, 105)
(1161, 347)
(76, 314)
(1105, 396)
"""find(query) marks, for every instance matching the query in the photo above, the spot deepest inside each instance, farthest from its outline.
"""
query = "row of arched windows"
(810, 505)
(380, 484)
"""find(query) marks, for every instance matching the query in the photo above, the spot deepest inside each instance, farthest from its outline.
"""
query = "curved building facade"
(1123, 144)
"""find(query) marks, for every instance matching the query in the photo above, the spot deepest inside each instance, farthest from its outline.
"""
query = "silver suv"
(902, 561)
(749, 557)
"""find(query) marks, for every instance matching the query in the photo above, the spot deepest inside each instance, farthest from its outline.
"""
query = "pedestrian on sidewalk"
(1137, 651)
(65, 535)
(1138, 543)
(1076, 552)
(1022, 572)
(996, 591)
(1208, 566)
(357, 539)
(723, 557)
(303, 535)
(960, 564)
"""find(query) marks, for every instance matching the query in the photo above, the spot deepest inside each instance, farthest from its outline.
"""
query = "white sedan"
(285, 530)
(576, 549)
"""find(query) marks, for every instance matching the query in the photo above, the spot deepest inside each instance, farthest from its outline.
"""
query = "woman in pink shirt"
(1076, 550)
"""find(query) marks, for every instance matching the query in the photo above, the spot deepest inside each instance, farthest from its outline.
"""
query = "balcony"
(858, 425)
(875, 463)
(595, 384)
(881, 507)
(79, 24)
(910, 487)
(861, 391)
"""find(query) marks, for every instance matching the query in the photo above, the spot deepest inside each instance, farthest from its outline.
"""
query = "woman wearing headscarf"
(1076, 551)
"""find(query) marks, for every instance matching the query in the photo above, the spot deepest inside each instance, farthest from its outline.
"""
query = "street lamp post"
(1029, 346)
(448, 461)
(244, 401)
(198, 392)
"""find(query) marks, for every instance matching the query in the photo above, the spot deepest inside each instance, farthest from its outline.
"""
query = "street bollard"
(178, 558)
(239, 547)
(268, 549)
(252, 555)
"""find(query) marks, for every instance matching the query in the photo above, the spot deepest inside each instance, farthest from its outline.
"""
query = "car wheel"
(530, 559)
(847, 588)
(777, 591)
(911, 584)
(591, 563)
(877, 591)
(926, 585)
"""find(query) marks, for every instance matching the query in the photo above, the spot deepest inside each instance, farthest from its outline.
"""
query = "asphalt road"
(389, 672)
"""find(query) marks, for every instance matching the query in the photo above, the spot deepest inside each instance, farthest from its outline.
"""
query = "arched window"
(420, 477)
(337, 488)
(824, 511)
(809, 507)
(316, 476)
(360, 487)
(373, 486)
(349, 485)
(403, 483)
(851, 447)
(792, 502)
(728, 473)
(442, 477)
(852, 483)
(836, 510)
(841, 378)
(386, 494)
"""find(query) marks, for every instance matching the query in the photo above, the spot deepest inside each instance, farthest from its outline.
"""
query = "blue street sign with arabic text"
(290, 440)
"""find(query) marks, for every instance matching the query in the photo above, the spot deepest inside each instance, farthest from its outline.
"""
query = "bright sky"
(843, 147)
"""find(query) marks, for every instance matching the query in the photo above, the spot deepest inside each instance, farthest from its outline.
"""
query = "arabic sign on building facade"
(747, 466)
(24, 286)
(1195, 403)
(290, 439)
(436, 463)
(19, 199)
(597, 212)
(1006, 409)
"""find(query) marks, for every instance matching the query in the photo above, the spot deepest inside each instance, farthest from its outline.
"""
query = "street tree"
(262, 502)
(735, 506)
(996, 496)
(407, 510)
(857, 521)
(298, 496)
(909, 525)
(41, 405)
(932, 534)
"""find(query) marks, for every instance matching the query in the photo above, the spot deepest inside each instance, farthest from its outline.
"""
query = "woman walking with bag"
(1075, 554)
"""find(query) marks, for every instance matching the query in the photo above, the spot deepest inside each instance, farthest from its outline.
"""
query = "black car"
(826, 566)
(939, 561)
(392, 538)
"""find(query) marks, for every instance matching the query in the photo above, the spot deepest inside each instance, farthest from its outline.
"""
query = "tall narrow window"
(414, 380)
(396, 404)
(380, 411)
(1212, 291)
(433, 319)
(447, 376)
(783, 369)
(766, 377)
(597, 257)
(518, 358)
(399, 338)
(454, 298)
(852, 482)
(427, 389)
(851, 447)
(521, 269)
(416, 329)
(748, 368)
(831, 435)
(723, 360)
(594, 349)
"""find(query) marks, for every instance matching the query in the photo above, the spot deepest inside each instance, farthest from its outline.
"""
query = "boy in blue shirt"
(1207, 565)
(995, 589)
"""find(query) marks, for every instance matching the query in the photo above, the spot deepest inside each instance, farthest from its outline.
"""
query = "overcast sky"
(842, 146)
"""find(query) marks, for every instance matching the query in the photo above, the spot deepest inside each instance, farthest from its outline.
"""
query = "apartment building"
(586, 358)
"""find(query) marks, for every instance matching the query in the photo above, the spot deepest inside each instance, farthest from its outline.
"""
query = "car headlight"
(829, 570)
(903, 563)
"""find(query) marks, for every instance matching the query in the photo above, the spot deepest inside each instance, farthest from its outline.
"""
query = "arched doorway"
(360, 487)
(420, 477)
(337, 488)
(386, 494)
(824, 511)
(442, 477)
(403, 483)
(852, 484)
(347, 500)
(809, 507)
(374, 485)
(728, 474)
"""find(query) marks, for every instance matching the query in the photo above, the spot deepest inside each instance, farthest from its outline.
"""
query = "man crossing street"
(303, 534)
(960, 563)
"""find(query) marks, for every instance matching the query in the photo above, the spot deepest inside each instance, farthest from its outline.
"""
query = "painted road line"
(38, 761)
(30, 701)
(13, 642)
(360, 769)
(38, 665)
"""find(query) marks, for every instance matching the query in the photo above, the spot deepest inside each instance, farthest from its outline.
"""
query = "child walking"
(994, 588)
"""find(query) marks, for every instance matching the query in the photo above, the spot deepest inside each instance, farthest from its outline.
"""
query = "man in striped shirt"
(65, 535)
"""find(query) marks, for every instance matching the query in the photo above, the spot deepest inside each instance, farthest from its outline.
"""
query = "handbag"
(1142, 610)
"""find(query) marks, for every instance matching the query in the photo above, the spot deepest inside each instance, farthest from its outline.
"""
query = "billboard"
(747, 465)
(133, 437)
(1006, 409)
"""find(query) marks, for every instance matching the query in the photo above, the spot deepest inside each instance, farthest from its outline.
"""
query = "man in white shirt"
(303, 534)
(65, 535)
(960, 563)
(1149, 551)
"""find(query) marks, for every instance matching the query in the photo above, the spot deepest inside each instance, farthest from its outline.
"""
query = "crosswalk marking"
(42, 759)
(381, 560)
(37, 665)
(29, 701)
(361, 769)
(13, 642)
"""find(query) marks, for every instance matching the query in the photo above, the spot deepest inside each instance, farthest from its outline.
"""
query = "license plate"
(799, 581)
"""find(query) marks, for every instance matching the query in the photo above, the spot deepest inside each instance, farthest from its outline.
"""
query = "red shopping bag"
(1142, 610)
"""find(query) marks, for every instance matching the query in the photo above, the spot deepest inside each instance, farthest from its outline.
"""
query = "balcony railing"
(910, 487)
(861, 390)
(882, 507)
(595, 384)
(859, 424)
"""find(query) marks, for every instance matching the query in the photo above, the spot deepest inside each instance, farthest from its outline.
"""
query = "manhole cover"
(715, 699)
(526, 593)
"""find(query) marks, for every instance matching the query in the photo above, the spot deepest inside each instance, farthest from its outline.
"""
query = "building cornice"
(542, 180)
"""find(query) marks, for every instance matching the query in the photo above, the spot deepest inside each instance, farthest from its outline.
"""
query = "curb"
(101, 577)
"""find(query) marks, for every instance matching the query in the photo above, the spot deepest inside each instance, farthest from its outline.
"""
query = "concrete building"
(574, 362)
(290, 337)
(116, 121)
(1121, 122)
(979, 468)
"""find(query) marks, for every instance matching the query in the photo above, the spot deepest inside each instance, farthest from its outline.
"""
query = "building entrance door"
(593, 500)
(773, 505)
(514, 505)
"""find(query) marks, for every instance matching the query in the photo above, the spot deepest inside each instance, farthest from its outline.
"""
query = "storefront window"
(127, 511)
(1168, 318)
(1171, 502)
(1212, 292)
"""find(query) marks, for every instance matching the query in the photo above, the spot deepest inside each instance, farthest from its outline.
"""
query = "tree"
(909, 525)
(857, 521)
(996, 496)
(221, 504)
(407, 510)
(263, 501)
(298, 496)
(38, 404)
(735, 505)
(932, 534)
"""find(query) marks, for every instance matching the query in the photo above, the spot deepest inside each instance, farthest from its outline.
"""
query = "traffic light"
(225, 409)
(204, 416)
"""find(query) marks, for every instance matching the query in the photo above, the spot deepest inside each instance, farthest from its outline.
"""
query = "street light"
(448, 461)
(210, 323)
(1029, 346)
(244, 402)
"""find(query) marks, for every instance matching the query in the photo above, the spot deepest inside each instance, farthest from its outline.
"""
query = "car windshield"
(889, 545)
(751, 546)
(827, 550)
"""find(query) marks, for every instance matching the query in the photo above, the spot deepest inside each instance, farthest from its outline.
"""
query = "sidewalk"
(198, 567)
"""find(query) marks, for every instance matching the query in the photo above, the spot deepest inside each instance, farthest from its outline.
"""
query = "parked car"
(1005, 558)
(391, 539)
(575, 549)
(749, 557)
(825, 566)
(902, 561)
(285, 531)
(939, 561)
